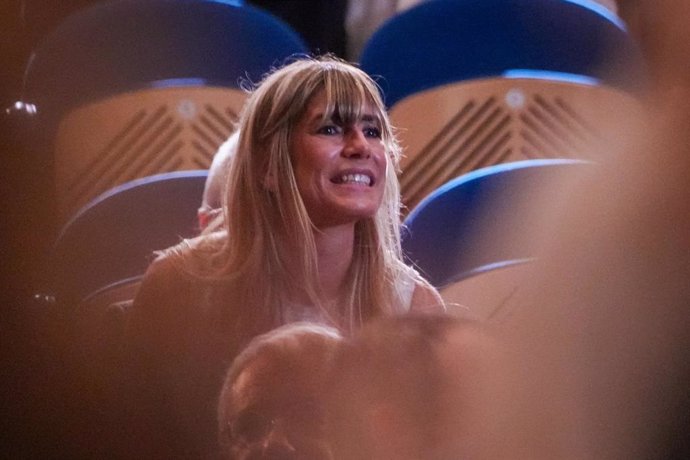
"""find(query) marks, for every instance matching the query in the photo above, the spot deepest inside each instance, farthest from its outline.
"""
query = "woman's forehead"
(344, 110)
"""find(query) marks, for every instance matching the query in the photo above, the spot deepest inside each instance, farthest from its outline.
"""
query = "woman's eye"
(328, 130)
(372, 131)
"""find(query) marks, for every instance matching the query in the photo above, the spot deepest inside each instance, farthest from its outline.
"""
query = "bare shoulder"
(169, 273)
(165, 290)
(161, 274)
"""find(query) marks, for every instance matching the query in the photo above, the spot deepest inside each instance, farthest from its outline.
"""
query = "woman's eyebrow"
(317, 118)
(336, 119)
(369, 118)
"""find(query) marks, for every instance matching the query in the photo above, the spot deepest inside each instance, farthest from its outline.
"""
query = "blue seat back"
(446, 41)
(117, 46)
(112, 239)
(467, 225)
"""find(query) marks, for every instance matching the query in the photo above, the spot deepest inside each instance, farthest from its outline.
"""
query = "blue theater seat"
(118, 46)
(109, 243)
(475, 83)
(445, 41)
(128, 88)
(483, 224)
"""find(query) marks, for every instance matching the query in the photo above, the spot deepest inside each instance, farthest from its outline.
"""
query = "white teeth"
(355, 178)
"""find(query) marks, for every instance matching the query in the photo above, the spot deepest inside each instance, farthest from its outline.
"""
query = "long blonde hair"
(261, 225)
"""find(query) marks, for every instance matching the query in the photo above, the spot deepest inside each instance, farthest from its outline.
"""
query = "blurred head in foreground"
(401, 388)
(270, 405)
(600, 362)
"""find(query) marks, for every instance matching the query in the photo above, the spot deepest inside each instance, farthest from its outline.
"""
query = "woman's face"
(340, 169)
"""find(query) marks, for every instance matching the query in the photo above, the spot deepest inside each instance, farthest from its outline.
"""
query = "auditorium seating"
(127, 88)
(473, 237)
(474, 83)
(103, 251)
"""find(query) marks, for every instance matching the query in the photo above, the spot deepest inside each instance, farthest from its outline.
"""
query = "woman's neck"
(334, 252)
(334, 248)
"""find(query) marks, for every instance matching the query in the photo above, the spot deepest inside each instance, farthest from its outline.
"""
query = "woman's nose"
(356, 144)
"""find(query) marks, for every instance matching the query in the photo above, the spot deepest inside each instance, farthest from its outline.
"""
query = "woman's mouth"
(353, 178)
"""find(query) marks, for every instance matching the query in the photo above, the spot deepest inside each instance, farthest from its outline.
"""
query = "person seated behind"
(314, 235)
(404, 388)
(270, 405)
(211, 209)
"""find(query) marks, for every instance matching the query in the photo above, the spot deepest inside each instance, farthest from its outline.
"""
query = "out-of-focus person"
(271, 402)
(210, 211)
(399, 388)
(599, 344)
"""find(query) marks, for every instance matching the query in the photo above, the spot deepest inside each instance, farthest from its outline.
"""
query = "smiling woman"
(340, 164)
(311, 232)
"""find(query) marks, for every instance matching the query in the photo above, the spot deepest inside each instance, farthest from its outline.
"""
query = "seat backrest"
(118, 46)
(502, 80)
(446, 41)
(112, 240)
(125, 88)
(479, 223)
(137, 134)
(485, 122)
